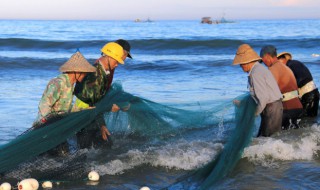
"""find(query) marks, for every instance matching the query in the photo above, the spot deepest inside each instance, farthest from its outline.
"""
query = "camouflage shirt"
(57, 98)
(94, 86)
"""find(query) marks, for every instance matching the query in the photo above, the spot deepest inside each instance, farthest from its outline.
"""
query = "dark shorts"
(91, 138)
(290, 118)
(271, 118)
(310, 102)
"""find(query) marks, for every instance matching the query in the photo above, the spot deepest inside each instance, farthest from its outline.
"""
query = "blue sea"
(184, 64)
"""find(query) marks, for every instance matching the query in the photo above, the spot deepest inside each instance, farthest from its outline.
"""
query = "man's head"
(126, 47)
(245, 57)
(268, 54)
(78, 65)
(113, 54)
(284, 57)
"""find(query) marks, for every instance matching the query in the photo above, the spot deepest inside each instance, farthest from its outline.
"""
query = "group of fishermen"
(89, 83)
(284, 93)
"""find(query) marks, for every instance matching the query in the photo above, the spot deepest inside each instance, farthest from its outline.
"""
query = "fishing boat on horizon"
(222, 20)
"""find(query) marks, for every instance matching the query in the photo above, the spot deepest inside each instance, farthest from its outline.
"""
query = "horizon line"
(142, 20)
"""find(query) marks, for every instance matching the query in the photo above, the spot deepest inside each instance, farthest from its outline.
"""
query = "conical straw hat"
(245, 54)
(286, 54)
(77, 63)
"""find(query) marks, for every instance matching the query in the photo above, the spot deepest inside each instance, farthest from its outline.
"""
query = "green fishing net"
(144, 118)
(240, 136)
(227, 159)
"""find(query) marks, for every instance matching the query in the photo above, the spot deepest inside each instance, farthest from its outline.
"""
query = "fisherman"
(292, 107)
(93, 88)
(263, 89)
(126, 53)
(308, 92)
(57, 97)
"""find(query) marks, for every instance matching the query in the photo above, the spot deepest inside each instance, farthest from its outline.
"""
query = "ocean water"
(179, 63)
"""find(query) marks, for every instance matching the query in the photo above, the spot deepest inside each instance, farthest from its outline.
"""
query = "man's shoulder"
(59, 80)
(259, 68)
(260, 71)
(279, 67)
(295, 63)
(89, 78)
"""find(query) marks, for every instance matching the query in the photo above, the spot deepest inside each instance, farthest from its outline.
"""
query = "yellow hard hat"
(113, 50)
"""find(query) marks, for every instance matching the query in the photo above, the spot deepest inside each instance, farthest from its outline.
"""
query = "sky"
(158, 9)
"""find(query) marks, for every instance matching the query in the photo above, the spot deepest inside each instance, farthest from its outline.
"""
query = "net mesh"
(241, 136)
(144, 118)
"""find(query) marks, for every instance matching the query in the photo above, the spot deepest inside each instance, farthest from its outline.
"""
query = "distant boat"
(149, 20)
(206, 20)
(223, 21)
(139, 20)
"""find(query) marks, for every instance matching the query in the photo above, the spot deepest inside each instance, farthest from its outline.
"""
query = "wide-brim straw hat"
(245, 54)
(287, 55)
(77, 63)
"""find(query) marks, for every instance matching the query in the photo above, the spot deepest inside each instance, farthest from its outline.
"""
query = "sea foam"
(267, 151)
(180, 155)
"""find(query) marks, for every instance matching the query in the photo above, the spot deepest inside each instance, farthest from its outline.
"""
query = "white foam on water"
(187, 155)
(268, 151)
(179, 155)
